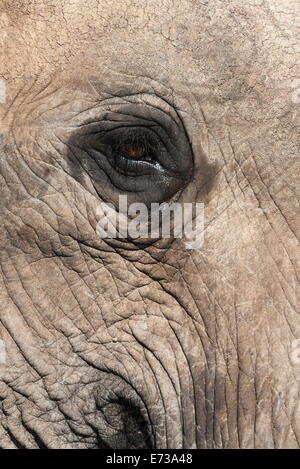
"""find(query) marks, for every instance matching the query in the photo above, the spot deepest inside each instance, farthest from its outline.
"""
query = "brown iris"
(134, 151)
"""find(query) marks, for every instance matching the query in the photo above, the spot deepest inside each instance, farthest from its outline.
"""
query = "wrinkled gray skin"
(130, 346)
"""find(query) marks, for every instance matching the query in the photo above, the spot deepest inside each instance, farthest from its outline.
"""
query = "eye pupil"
(134, 152)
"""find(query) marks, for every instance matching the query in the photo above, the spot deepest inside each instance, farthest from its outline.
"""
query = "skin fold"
(114, 344)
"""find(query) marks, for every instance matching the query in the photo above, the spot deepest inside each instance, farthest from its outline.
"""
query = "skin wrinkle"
(282, 244)
(231, 307)
(154, 370)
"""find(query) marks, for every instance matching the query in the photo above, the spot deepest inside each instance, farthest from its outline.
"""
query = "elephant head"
(146, 343)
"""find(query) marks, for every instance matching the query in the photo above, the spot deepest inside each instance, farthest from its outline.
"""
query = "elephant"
(123, 343)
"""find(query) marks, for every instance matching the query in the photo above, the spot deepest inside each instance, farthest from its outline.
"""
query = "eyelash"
(133, 139)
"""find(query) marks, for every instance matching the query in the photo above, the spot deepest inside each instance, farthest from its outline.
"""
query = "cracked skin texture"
(119, 346)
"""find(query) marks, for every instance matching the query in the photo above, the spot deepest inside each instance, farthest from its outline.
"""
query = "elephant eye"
(134, 151)
(138, 145)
